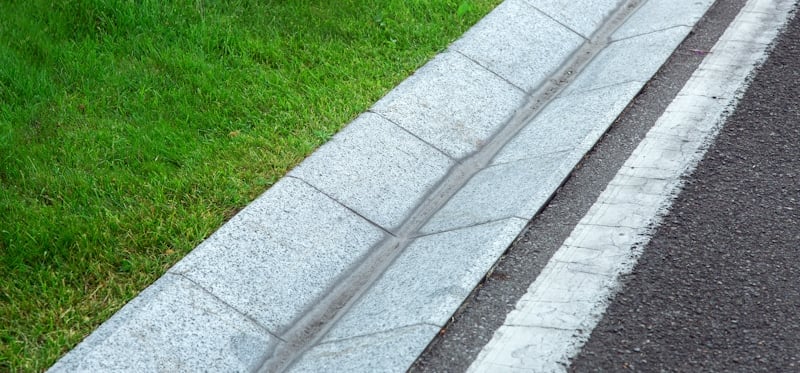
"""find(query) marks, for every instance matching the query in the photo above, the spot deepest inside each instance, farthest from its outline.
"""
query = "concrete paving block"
(657, 15)
(523, 349)
(391, 351)
(282, 252)
(517, 189)
(635, 59)
(172, 326)
(519, 43)
(429, 281)
(582, 16)
(376, 169)
(569, 123)
(451, 103)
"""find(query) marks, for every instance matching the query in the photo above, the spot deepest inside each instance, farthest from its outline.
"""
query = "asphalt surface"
(718, 286)
(485, 310)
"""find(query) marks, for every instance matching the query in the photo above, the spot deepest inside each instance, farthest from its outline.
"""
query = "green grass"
(132, 129)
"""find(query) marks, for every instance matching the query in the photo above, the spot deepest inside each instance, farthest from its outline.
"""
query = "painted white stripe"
(553, 320)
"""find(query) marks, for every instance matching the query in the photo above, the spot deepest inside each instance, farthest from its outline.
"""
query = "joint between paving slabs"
(557, 21)
(648, 33)
(538, 156)
(376, 333)
(228, 305)
(576, 93)
(416, 236)
(489, 70)
(345, 206)
(413, 135)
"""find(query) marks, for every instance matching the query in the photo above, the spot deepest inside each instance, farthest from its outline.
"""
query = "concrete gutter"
(357, 258)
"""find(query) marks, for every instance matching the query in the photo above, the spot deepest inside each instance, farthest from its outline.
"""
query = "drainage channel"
(312, 326)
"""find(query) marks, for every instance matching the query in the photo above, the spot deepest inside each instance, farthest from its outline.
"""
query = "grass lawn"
(131, 129)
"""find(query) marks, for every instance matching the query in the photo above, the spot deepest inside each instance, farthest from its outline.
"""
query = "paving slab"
(519, 43)
(582, 16)
(173, 325)
(452, 263)
(629, 60)
(390, 351)
(516, 189)
(657, 15)
(530, 168)
(278, 255)
(452, 103)
(565, 123)
(375, 168)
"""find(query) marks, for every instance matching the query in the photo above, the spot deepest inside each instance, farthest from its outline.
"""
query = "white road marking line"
(553, 320)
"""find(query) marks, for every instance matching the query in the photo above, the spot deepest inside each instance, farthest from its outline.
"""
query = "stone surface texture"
(375, 168)
(582, 16)
(452, 264)
(451, 103)
(280, 254)
(390, 351)
(219, 308)
(519, 43)
(172, 326)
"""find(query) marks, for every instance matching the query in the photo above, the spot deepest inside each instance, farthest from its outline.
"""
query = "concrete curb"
(377, 206)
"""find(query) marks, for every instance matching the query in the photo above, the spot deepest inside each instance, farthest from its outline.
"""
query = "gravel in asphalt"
(718, 286)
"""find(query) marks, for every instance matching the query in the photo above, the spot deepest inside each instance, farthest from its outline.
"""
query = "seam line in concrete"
(489, 70)
(377, 333)
(650, 33)
(600, 88)
(412, 134)
(385, 230)
(538, 156)
(466, 227)
(226, 304)
(586, 38)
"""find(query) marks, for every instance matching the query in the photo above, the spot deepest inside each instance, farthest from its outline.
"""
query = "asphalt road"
(485, 310)
(718, 286)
